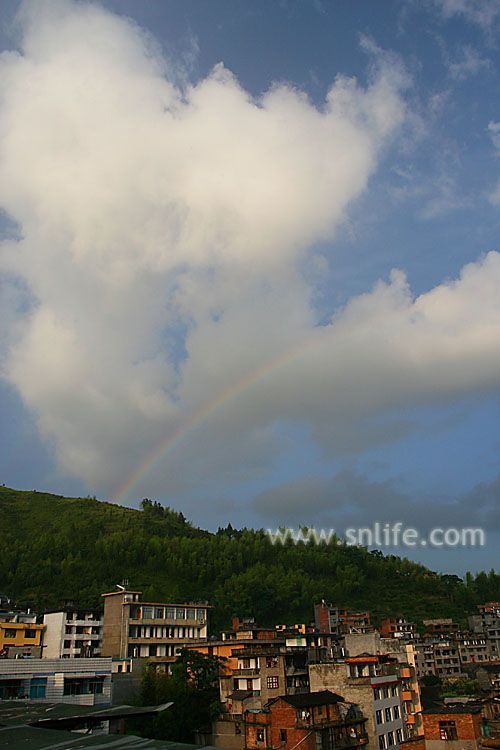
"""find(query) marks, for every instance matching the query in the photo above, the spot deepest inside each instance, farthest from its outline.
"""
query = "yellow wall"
(20, 639)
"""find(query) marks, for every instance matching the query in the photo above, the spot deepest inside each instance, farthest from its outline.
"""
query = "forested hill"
(54, 548)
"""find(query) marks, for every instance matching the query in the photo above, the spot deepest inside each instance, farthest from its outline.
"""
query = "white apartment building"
(72, 634)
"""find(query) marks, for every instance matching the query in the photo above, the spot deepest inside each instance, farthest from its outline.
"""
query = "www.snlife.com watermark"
(381, 535)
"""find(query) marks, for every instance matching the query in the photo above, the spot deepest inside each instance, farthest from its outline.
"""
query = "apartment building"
(329, 618)
(20, 634)
(72, 633)
(487, 623)
(136, 629)
(85, 682)
(398, 627)
(473, 648)
(369, 681)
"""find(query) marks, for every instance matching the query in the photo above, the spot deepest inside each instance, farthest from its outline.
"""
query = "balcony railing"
(246, 672)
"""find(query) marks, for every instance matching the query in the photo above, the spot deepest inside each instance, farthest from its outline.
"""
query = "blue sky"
(249, 260)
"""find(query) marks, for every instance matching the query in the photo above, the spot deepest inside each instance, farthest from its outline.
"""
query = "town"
(335, 683)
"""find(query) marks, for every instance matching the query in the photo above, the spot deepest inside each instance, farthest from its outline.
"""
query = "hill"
(54, 548)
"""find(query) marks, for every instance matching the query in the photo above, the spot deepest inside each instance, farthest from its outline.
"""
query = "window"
(271, 661)
(28, 633)
(381, 742)
(386, 692)
(37, 687)
(180, 613)
(10, 689)
(237, 727)
(272, 682)
(378, 715)
(170, 613)
(147, 613)
(81, 686)
(67, 644)
(390, 738)
(282, 735)
(399, 735)
(395, 710)
(388, 715)
(260, 735)
(200, 615)
(448, 730)
(10, 633)
(376, 694)
(190, 614)
(159, 613)
(249, 684)
(394, 690)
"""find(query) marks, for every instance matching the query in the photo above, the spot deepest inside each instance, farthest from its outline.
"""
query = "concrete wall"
(53, 635)
(354, 690)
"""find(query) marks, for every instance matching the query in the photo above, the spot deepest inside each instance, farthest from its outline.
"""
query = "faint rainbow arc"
(180, 434)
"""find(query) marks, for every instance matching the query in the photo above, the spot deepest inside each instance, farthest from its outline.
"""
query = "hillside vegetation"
(54, 548)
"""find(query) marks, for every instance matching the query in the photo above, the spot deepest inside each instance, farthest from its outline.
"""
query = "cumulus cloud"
(158, 281)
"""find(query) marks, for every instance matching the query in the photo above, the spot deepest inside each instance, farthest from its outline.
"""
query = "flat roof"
(14, 713)
(33, 738)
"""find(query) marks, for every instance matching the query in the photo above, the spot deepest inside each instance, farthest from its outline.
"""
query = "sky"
(250, 261)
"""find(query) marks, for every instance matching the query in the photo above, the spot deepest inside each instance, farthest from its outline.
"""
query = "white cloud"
(163, 230)
(159, 223)
(470, 63)
(481, 12)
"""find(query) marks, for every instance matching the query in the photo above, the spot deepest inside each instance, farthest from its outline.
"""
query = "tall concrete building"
(136, 629)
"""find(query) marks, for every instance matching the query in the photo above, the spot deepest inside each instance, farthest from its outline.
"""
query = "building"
(440, 656)
(441, 626)
(337, 621)
(136, 629)
(20, 634)
(452, 728)
(398, 627)
(371, 682)
(473, 648)
(314, 721)
(72, 633)
(78, 681)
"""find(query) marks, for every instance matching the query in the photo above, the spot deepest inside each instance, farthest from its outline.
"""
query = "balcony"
(406, 695)
(410, 719)
(407, 672)
(248, 672)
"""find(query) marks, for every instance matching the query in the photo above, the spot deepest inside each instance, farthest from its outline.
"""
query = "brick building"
(315, 721)
(329, 618)
(452, 728)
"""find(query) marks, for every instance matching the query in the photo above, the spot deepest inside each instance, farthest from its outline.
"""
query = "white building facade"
(72, 634)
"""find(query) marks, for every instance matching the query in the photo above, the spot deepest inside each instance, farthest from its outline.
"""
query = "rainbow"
(179, 435)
